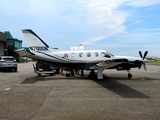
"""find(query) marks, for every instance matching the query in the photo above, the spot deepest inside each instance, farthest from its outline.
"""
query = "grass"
(154, 61)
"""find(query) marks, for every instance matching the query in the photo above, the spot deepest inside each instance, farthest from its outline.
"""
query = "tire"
(39, 74)
(15, 69)
(51, 74)
(57, 71)
(129, 76)
(1, 69)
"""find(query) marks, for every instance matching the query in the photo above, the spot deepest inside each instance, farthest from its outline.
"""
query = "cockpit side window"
(102, 54)
(105, 54)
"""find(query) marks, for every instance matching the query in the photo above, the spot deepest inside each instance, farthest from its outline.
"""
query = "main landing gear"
(129, 74)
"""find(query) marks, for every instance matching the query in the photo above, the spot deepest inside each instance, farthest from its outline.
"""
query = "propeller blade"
(144, 66)
(140, 66)
(140, 53)
(145, 54)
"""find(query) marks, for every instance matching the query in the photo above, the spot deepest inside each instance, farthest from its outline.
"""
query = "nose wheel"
(129, 75)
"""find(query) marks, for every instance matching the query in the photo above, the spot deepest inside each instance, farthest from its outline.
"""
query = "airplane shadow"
(111, 84)
(8, 71)
(118, 88)
(46, 77)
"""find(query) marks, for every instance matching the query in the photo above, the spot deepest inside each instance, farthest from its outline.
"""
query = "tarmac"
(26, 96)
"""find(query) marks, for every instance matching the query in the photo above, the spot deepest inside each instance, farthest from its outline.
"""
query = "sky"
(121, 27)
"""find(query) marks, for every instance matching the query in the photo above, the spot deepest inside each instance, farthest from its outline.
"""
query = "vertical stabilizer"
(34, 42)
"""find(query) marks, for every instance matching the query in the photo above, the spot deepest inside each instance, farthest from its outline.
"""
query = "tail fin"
(34, 42)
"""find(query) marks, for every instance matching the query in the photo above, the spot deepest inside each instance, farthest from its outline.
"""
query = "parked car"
(8, 63)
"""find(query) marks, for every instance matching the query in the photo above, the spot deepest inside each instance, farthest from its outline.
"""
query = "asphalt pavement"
(26, 96)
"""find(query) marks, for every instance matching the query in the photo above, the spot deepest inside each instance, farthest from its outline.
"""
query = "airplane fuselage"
(85, 56)
(77, 57)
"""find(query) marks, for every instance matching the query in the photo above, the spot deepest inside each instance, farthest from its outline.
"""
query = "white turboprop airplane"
(78, 58)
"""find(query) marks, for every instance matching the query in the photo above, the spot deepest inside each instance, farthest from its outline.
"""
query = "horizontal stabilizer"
(24, 53)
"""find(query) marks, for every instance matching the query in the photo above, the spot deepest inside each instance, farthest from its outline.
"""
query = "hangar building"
(8, 44)
(3, 40)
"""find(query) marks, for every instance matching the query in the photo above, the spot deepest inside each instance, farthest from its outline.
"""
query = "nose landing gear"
(129, 75)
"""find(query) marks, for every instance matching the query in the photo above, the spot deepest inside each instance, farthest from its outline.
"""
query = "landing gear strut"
(129, 75)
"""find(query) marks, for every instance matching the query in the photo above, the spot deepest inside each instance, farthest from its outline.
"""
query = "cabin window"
(80, 54)
(73, 54)
(88, 54)
(96, 54)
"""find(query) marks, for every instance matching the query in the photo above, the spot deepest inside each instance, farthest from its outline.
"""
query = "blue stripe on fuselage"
(58, 58)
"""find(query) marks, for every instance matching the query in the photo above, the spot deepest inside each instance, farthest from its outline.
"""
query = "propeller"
(140, 53)
(143, 57)
(145, 54)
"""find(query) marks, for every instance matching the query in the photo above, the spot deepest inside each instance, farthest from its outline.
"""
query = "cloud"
(93, 40)
(141, 37)
(154, 29)
(106, 15)
(84, 14)
(102, 14)
(142, 3)
(80, 19)
(137, 22)
(28, 8)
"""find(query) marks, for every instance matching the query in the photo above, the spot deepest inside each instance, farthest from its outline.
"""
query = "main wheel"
(51, 74)
(57, 71)
(72, 73)
(129, 76)
(39, 74)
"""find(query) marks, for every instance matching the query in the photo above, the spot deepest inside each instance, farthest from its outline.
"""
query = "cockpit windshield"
(106, 54)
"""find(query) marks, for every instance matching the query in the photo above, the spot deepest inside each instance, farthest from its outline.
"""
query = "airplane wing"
(24, 53)
(107, 64)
